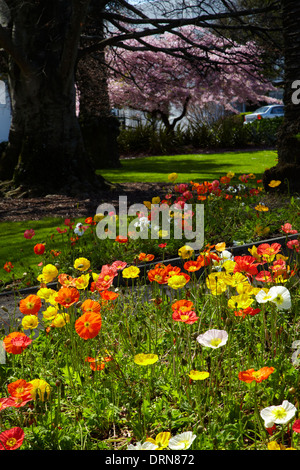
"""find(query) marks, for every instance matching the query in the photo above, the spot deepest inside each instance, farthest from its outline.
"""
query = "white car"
(265, 112)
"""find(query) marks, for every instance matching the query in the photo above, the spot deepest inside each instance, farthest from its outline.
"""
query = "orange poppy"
(144, 257)
(251, 375)
(183, 305)
(8, 266)
(121, 239)
(204, 259)
(90, 305)
(96, 364)
(30, 305)
(172, 270)
(66, 281)
(39, 248)
(192, 266)
(20, 389)
(16, 342)
(88, 325)
(90, 221)
(108, 295)
(67, 296)
(159, 275)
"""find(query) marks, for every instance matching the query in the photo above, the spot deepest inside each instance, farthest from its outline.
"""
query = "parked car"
(265, 112)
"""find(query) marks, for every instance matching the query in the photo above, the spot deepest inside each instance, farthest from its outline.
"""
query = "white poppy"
(280, 414)
(262, 296)
(182, 441)
(281, 297)
(296, 358)
(139, 446)
(225, 255)
(213, 338)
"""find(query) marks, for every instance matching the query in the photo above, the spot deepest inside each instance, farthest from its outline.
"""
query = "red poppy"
(90, 221)
(30, 305)
(16, 342)
(11, 439)
(162, 245)
(293, 244)
(246, 265)
(67, 296)
(264, 276)
(188, 317)
(60, 230)
(8, 266)
(18, 402)
(247, 311)
(268, 250)
(287, 228)
(39, 248)
(29, 234)
(118, 265)
(5, 403)
(296, 426)
(68, 223)
(88, 325)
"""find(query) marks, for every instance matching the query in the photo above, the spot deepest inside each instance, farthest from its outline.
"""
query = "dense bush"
(226, 132)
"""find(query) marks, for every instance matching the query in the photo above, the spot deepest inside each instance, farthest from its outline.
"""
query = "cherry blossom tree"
(152, 79)
(42, 44)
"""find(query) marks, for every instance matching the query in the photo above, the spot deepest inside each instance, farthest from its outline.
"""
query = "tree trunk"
(99, 128)
(46, 151)
(288, 168)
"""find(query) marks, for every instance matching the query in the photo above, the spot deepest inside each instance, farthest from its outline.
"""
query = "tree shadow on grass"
(155, 169)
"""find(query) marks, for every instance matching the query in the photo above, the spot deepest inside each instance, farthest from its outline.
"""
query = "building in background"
(5, 111)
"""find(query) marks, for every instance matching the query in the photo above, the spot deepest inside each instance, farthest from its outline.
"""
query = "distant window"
(277, 110)
(262, 110)
(2, 93)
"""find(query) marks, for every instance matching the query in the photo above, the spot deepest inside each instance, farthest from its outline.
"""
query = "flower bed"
(205, 355)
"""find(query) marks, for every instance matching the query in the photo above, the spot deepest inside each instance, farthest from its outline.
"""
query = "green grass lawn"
(14, 247)
(199, 167)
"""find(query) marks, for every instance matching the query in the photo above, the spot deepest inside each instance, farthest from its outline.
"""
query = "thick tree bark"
(46, 151)
(288, 168)
(99, 128)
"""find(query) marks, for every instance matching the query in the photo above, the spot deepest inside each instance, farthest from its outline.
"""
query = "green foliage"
(226, 132)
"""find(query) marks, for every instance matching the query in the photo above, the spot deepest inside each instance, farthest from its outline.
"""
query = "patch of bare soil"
(17, 209)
